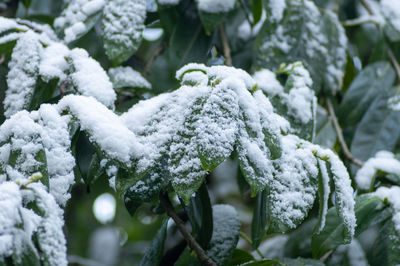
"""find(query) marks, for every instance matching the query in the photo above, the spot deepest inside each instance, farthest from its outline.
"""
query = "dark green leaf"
(94, 170)
(263, 263)
(257, 11)
(259, 219)
(369, 83)
(367, 214)
(378, 130)
(26, 3)
(240, 257)
(301, 262)
(200, 216)
(394, 245)
(154, 253)
(325, 134)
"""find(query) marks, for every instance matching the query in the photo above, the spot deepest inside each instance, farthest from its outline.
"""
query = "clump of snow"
(53, 63)
(90, 79)
(277, 7)
(384, 161)
(392, 194)
(21, 78)
(211, 6)
(268, 83)
(127, 77)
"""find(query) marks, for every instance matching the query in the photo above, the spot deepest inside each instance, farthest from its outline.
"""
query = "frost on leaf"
(226, 226)
(127, 77)
(22, 78)
(78, 18)
(383, 161)
(123, 24)
(298, 31)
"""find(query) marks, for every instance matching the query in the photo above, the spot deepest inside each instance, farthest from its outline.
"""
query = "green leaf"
(200, 216)
(378, 130)
(325, 134)
(188, 42)
(316, 38)
(240, 257)
(224, 239)
(388, 9)
(257, 10)
(368, 212)
(211, 20)
(154, 253)
(43, 92)
(263, 263)
(366, 87)
(259, 219)
(301, 262)
(94, 170)
(123, 24)
(26, 3)
(28, 256)
(394, 245)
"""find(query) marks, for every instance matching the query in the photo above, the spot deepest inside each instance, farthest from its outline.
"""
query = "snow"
(168, 2)
(326, 188)
(90, 79)
(268, 83)
(104, 128)
(72, 19)
(392, 194)
(127, 77)
(53, 63)
(21, 78)
(212, 6)
(383, 161)
(277, 7)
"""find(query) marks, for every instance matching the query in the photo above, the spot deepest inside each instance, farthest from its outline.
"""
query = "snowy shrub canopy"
(256, 89)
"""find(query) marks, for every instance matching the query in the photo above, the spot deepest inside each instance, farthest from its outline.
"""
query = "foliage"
(181, 105)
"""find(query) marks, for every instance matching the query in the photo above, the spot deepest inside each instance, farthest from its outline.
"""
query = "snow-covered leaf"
(127, 77)
(212, 13)
(24, 68)
(298, 31)
(78, 18)
(123, 24)
(390, 10)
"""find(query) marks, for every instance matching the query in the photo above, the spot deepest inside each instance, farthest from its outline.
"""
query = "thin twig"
(339, 133)
(153, 56)
(205, 260)
(394, 62)
(391, 56)
(248, 240)
(326, 256)
(225, 45)
(360, 21)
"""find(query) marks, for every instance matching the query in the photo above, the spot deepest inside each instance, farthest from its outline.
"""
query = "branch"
(225, 45)
(391, 56)
(339, 133)
(359, 21)
(166, 203)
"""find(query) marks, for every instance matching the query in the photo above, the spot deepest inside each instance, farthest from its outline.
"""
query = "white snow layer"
(212, 6)
(127, 77)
